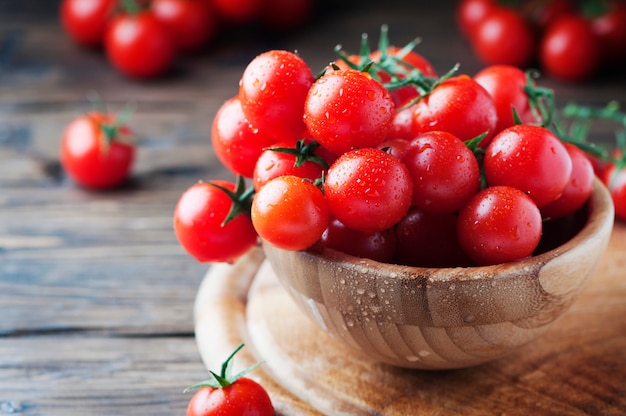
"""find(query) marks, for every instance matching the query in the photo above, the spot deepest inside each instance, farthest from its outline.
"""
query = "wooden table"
(96, 296)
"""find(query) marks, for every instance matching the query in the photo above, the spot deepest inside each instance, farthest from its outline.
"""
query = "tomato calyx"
(303, 152)
(225, 377)
(540, 99)
(241, 198)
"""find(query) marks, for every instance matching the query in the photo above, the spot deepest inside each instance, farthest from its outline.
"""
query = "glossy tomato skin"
(85, 21)
(504, 37)
(444, 171)
(348, 109)
(610, 30)
(191, 23)
(427, 239)
(236, 142)
(245, 397)
(578, 187)
(569, 50)
(379, 246)
(272, 91)
(499, 224)
(138, 45)
(368, 190)
(530, 158)
(615, 180)
(290, 213)
(470, 13)
(458, 105)
(90, 158)
(199, 224)
(505, 84)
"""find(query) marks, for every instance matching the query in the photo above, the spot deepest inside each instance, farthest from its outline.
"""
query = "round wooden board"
(568, 371)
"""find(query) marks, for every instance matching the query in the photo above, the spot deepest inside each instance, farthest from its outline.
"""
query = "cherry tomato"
(199, 223)
(569, 50)
(138, 45)
(379, 246)
(458, 105)
(444, 170)
(470, 13)
(402, 124)
(272, 91)
(348, 109)
(610, 30)
(85, 20)
(97, 152)
(228, 395)
(530, 158)
(191, 23)
(290, 213)
(237, 143)
(504, 37)
(368, 190)
(238, 11)
(614, 177)
(578, 188)
(505, 84)
(427, 239)
(499, 224)
(278, 161)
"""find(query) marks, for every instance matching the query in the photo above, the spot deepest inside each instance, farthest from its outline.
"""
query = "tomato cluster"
(380, 157)
(142, 38)
(568, 40)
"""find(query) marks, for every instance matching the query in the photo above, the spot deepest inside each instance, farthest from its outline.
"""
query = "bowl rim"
(600, 214)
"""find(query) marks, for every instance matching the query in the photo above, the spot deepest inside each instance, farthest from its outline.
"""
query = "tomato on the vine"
(85, 21)
(499, 224)
(236, 142)
(272, 91)
(505, 84)
(530, 158)
(348, 109)
(368, 190)
(444, 170)
(138, 44)
(191, 23)
(290, 212)
(458, 105)
(569, 50)
(230, 395)
(201, 226)
(97, 151)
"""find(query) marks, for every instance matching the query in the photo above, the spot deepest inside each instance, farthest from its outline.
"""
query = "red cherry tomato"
(96, 152)
(578, 188)
(191, 23)
(138, 45)
(444, 170)
(569, 50)
(85, 21)
(614, 177)
(238, 11)
(610, 30)
(272, 91)
(348, 109)
(290, 213)
(504, 37)
(458, 105)
(379, 246)
(368, 190)
(499, 224)
(470, 13)
(237, 143)
(505, 84)
(530, 158)
(199, 224)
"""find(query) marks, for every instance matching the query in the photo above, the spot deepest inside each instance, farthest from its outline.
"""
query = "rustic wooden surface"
(96, 296)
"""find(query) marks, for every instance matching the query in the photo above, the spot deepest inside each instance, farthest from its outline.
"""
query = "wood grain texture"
(575, 368)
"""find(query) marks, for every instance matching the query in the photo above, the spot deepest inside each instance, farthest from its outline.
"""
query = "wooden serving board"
(577, 368)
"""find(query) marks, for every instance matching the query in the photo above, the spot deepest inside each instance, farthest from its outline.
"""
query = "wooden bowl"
(442, 318)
